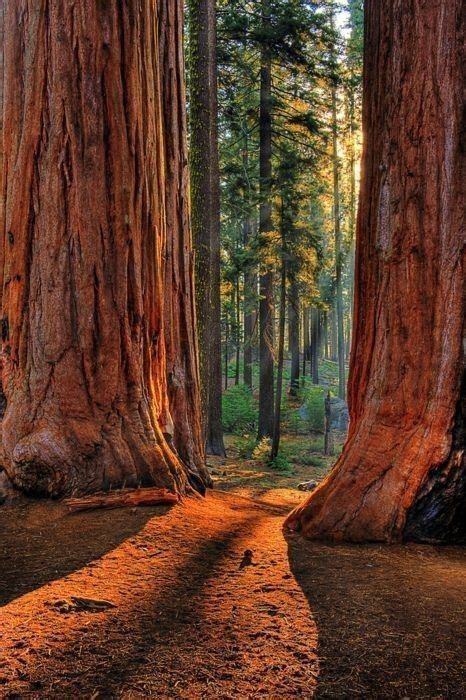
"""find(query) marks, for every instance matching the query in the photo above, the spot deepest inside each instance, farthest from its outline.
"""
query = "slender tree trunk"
(315, 342)
(338, 253)
(237, 329)
(85, 343)
(294, 337)
(325, 334)
(180, 336)
(334, 334)
(348, 333)
(227, 341)
(250, 316)
(205, 198)
(281, 347)
(328, 435)
(266, 304)
(402, 474)
(352, 215)
(250, 281)
(306, 339)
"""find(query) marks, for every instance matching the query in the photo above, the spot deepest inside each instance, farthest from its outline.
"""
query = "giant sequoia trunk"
(90, 148)
(402, 473)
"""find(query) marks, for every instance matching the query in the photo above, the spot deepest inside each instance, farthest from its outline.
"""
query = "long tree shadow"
(40, 542)
(390, 619)
(173, 627)
(166, 635)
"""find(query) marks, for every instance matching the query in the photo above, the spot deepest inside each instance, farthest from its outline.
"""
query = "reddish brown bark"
(85, 341)
(402, 471)
(121, 499)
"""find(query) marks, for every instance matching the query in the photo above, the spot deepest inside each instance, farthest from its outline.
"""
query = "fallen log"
(121, 499)
(91, 604)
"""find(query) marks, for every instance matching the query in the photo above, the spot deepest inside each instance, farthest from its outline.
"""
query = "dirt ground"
(196, 617)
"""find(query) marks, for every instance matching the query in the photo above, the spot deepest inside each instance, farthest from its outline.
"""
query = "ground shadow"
(164, 634)
(390, 619)
(193, 618)
(41, 542)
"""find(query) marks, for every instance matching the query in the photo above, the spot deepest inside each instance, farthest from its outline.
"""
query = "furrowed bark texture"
(402, 472)
(84, 239)
(180, 335)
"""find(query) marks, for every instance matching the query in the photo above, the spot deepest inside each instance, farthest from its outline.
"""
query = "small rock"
(307, 485)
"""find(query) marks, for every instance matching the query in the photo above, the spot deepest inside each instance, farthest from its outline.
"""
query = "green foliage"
(302, 452)
(261, 452)
(311, 58)
(239, 411)
(316, 444)
(315, 408)
(313, 461)
(293, 422)
(280, 463)
(245, 446)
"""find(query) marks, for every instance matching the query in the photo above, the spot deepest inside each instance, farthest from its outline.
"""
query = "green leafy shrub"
(294, 423)
(261, 451)
(280, 463)
(261, 454)
(245, 446)
(315, 408)
(239, 411)
(313, 461)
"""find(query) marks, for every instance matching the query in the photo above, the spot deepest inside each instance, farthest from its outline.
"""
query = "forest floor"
(194, 616)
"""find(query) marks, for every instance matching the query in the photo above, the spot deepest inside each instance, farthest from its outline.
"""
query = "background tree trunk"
(294, 337)
(329, 448)
(333, 333)
(84, 237)
(250, 277)
(325, 335)
(352, 214)
(250, 296)
(281, 349)
(402, 472)
(205, 199)
(315, 345)
(180, 336)
(238, 329)
(266, 304)
(306, 340)
(338, 252)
